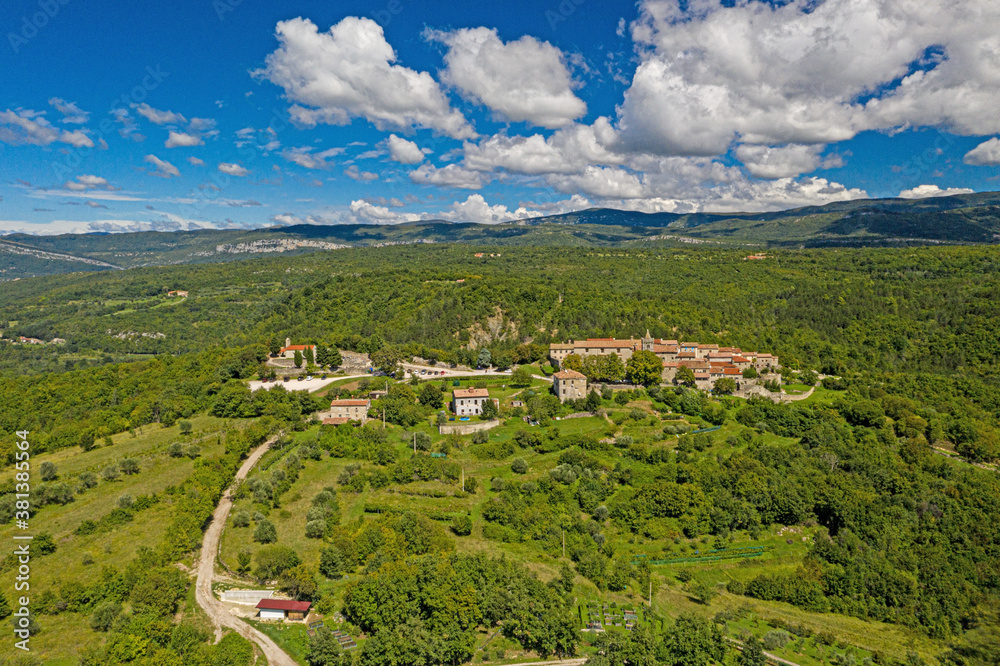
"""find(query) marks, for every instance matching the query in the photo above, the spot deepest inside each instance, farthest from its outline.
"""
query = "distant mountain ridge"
(960, 219)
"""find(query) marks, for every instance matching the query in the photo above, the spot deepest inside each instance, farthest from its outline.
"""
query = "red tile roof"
(349, 403)
(297, 348)
(284, 604)
(472, 393)
(569, 374)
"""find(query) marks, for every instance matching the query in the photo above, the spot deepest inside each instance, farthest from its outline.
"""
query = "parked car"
(309, 378)
(299, 378)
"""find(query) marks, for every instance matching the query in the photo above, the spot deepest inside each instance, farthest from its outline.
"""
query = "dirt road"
(216, 610)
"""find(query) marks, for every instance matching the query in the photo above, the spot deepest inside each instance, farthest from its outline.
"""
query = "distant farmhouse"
(708, 362)
(569, 385)
(469, 402)
(345, 411)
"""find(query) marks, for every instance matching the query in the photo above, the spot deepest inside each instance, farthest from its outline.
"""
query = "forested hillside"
(859, 523)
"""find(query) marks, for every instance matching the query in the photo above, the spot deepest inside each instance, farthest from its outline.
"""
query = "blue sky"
(198, 114)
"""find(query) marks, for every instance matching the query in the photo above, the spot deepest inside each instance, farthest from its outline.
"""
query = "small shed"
(283, 609)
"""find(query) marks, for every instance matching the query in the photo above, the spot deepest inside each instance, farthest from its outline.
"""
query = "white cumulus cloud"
(808, 72)
(452, 175)
(182, 140)
(985, 154)
(233, 169)
(522, 80)
(350, 71)
(925, 191)
(773, 162)
(403, 151)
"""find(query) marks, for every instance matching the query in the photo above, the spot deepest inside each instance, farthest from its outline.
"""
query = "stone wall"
(466, 427)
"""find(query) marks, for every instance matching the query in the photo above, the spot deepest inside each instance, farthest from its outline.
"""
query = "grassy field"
(81, 558)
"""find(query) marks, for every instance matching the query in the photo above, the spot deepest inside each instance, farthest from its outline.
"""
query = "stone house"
(352, 410)
(569, 385)
(469, 402)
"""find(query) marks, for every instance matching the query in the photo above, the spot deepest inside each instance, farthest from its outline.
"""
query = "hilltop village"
(707, 363)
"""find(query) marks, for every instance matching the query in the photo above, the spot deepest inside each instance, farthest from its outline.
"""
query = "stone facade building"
(569, 385)
(350, 410)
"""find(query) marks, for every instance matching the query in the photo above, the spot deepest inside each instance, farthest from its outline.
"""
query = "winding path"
(215, 609)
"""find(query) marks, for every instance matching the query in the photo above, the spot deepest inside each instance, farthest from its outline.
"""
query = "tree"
(484, 358)
(645, 368)
(265, 532)
(725, 386)
(185, 426)
(750, 372)
(299, 581)
(298, 359)
(692, 641)
(129, 466)
(685, 376)
(387, 359)
(573, 362)
(519, 466)
(430, 395)
(336, 359)
(703, 591)
(331, 562)
(272, 561)
(490, 409)
(521, 377)
(48, 470)
(593, 401)
(324, 650)
(274, 345)
(310, 355)
(502, 361)
(752, 654)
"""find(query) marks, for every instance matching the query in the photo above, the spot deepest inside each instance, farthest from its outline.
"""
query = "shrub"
(519, 466)
(48, 471)
(105, 615)
(241, 519)
(480, 437)
(775, 639)
(265, 532)
(316, 529)
(110, 473)
(129, 466)
(462, 525)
